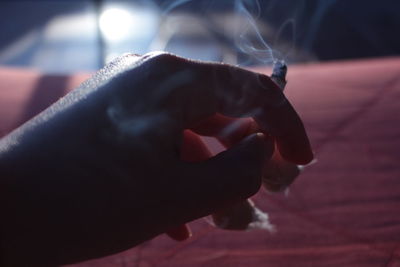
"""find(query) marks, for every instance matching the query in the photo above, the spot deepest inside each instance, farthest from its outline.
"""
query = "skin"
(103, 169)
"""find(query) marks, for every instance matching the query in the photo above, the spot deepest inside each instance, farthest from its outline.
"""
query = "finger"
(272, 112)
(235, 217)
(193, 150)
(231, 176)
(236, 92)
(278, 173)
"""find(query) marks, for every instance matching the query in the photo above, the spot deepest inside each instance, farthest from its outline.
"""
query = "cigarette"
(278, 75)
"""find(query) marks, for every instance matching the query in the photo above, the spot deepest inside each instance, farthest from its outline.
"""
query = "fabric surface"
(343, 210)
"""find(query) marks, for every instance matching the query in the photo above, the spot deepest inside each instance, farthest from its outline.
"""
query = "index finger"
(241, 93)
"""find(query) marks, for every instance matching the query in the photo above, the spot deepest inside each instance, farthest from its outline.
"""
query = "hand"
(101, 170)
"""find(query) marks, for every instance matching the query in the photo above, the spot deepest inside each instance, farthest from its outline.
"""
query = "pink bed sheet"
(343, 211)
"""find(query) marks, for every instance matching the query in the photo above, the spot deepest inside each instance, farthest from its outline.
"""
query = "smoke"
(239, 32)
(252, 36)
(138, 130)
(147, 123)
(248, 37)
(278, 30)
(168, 6)
(288, 26)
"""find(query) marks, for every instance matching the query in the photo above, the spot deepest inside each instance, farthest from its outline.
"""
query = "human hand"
(101, 170)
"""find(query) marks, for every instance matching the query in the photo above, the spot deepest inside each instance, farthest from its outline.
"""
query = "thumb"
(232, 175)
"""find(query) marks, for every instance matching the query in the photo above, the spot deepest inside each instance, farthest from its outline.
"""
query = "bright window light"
(115, 23)
(134, 24)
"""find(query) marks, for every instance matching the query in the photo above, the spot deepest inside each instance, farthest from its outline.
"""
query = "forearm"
(34, 196)
(9, 205)
(19, 200)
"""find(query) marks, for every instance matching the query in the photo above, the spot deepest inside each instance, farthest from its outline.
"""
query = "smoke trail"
(289, 24)
(248, 37)
(168, 6)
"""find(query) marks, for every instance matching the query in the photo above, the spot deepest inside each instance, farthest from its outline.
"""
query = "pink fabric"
(343, 211)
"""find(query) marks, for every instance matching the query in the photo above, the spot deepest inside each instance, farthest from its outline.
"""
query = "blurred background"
(62, 36)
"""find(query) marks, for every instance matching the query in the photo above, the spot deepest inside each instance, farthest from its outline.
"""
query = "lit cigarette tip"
(279, 71)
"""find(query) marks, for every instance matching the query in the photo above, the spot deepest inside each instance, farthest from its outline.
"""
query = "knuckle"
(163, 64)
(163, 58)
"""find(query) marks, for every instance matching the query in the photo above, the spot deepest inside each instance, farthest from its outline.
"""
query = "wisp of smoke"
(168, 6)
(248, 37)
(289, 24)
